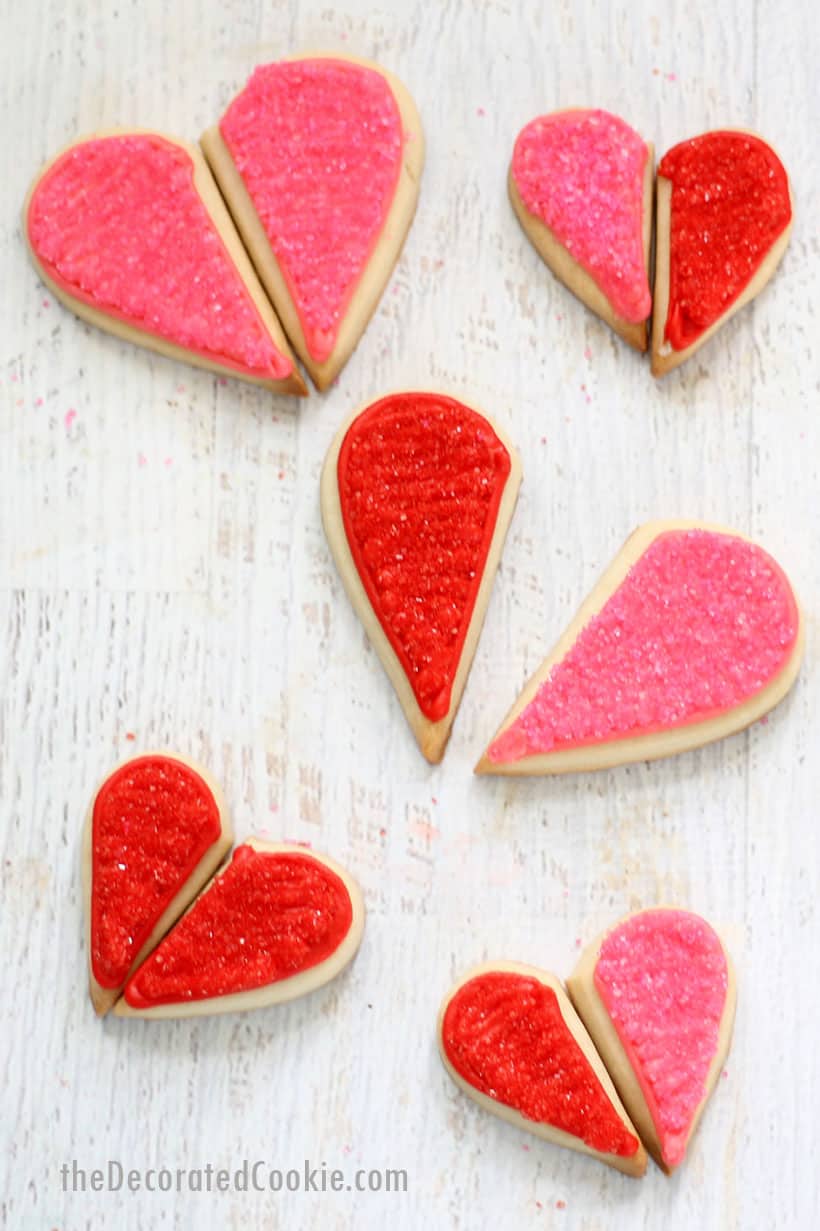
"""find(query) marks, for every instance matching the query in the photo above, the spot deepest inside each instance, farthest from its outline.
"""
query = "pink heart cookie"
(657, 995)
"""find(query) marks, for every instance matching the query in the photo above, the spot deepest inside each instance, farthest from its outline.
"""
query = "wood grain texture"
(164, 575)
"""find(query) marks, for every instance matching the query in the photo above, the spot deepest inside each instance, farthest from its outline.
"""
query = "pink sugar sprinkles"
(663, 977)
(701, 622)
(582, 174)
(118, 223)
(318, 144)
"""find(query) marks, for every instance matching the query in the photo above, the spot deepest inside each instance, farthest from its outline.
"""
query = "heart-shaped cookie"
(511, 1040)
(580, 183)
(724, 217)
(692, 634)
(156, 830)
(129, 231)
(275, 923)
(417, 493)
(657, 995)
(319, 159)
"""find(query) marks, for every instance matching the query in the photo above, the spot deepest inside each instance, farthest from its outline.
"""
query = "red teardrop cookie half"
(320, 158)
(657, 995)
(581, 185)
(724, 217)
(277, 922)
(693, 633)
(511, 1040)
(129, 231)
(417, 494)
(156, 830)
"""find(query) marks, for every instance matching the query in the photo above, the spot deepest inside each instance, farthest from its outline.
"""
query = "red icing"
(700, 624)
(152, 822)
(730, 202)
(663, 977)
(504, 1033)
(318, 144)
(420, 482)
(117, 222)
(268, 916)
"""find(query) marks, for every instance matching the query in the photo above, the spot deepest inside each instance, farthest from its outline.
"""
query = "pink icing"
(318, 144)
(701, 623)
(663, 978)
(118, 223)
(582, 174)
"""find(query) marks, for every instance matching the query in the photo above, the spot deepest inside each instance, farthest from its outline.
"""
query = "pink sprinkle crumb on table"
(142, 460)
(129, 735)
(480, 111)
(560, 1205)
(70, 416)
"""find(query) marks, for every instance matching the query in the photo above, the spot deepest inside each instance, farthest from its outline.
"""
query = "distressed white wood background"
(165, 577)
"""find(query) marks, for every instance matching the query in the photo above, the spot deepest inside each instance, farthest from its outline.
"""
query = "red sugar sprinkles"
(582, 174)
(702, 621)
(117, 222)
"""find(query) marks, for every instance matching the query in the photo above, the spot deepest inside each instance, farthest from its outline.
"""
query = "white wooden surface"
(164, 574)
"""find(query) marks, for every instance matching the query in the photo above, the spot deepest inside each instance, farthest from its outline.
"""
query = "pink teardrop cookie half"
(581, 185)
(275, 923)
(724, 218)
(319, 158)
(657, 995)
(511, 1040)
(693, 633)
(129, 231)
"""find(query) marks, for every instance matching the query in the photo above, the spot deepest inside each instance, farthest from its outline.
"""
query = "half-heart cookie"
(580, 183)
(724, 217)
(692, 634)
(275, 923)
(129, 231)
(511, 1040)
(319, 159)
(417, 493)
(156, 830)
(657, 995)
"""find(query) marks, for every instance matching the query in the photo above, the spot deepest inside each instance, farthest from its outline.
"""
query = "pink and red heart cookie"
(274, 923)
(418, 490)
(511, 1040)
(319, 159)
(129, 231)
(724, 217)
(580, 183)
(657, 994)
(692, 634)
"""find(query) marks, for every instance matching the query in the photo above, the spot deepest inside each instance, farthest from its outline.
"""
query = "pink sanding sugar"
(701, 623)
(663, 978)
(117, 222)
(318, 144)
(582, 174)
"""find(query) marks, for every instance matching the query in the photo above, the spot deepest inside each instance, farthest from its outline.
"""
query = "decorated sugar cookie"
(657, 995)
(692, 634)
(275, 923)
(417, 493)
(129, 231)
(580, 183)
(319, 159)
(724, 217)
(511, 1040)
(156, 830)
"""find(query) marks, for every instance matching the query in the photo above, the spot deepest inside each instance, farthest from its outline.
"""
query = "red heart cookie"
(319, 159)
(724, 216)
(275, 923)
(156, 830)
(692, 634)
(510, 1039)
(129, 231)
(417, 494)
(657, 995)
(580, 183)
